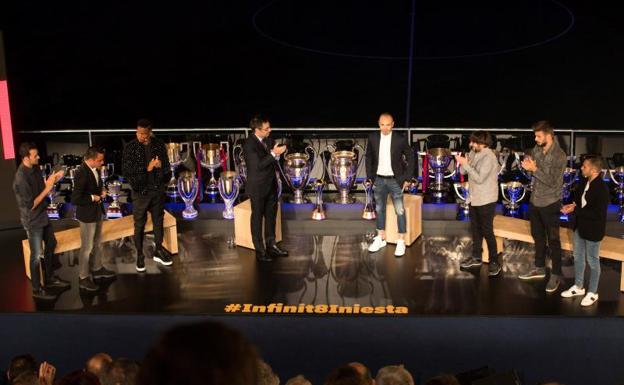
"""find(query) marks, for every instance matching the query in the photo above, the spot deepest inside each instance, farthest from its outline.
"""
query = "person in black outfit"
(261, 157)
(31, 192)
(88, 196)
(146, 167)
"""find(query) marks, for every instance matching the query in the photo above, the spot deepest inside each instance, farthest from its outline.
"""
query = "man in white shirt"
(390, 166)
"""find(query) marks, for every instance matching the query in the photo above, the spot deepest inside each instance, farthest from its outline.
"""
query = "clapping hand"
(567, 209)
(279, 149)
(155, 162)
(529, 164)
(46, 374)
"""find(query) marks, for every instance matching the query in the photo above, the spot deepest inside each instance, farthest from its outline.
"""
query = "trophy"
(343, 166)
(173, 154)
(229, 186)
(297, 169)
(462, 189)
(53, 207)
(520, 156)
(318, 214)
(513, 193)
(187, 188)
(239, 163)
(114, 208)
(412, 188)
(439, 160)
(569, 178)
(211, 159)
(617, 176)
(369, 204)
(71, 175)
(106, 171)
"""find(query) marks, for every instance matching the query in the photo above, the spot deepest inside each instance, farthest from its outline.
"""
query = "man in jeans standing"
(88, 195)
(546, 163)
(482, 168)
(146, 167)
(31, 191)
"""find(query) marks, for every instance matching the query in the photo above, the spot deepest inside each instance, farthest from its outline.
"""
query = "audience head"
(298, 380)
(443, 379)
(206, 353)
(363, 371)
(394, 375)
(121, 371)
(266, 376)
(26, 378)
(79, 377)
(344, 375)
(24, 363)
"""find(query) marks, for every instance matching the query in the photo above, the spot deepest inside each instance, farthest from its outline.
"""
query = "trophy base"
(111, 214)
(54, 214)
(344, 199)
(228, 214)
(369, 215)
(513, 212)
(189, 214)
(298, 201)
(318, 215)
(173, 194)
(463, 214)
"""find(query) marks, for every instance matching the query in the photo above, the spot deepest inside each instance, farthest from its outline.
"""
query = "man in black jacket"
(591, 202)
(88, 196)
(261, 157)
(386, 168)
(146, 167)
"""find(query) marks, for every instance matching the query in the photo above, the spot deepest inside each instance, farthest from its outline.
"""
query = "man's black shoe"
(275, 251)
(43, 294)
(57, 283)
(262, 256)
(140, 263)
(162, 257)
(102, 272)
(87, 284)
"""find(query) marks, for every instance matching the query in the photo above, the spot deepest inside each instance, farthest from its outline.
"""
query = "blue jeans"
(37, 251)
(590, 249)
(381, 189)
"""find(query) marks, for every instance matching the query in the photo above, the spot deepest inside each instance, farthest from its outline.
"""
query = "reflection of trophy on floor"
(617, 176)
(462, 189)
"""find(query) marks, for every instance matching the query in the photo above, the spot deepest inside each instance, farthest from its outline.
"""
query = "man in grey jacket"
(482, 168)
(547, 162)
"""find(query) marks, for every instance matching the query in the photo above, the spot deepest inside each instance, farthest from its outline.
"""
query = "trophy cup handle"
(312, 161)
(187, 153)
(361, 155)
(524, 190)
(461, 196)
(613, 178)
(503, 187)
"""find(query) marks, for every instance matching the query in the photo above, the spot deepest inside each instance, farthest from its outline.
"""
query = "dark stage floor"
(328, 265)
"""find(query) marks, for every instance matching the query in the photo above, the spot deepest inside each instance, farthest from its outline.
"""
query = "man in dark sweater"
(146, 167)
(591, 202)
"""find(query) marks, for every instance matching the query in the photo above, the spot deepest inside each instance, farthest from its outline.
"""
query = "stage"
(329, 264)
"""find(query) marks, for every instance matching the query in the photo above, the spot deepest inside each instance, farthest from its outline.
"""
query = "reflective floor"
(210, 273)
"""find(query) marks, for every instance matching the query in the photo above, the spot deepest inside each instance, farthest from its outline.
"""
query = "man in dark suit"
(386, 168)
(261, 156)
(88, 196)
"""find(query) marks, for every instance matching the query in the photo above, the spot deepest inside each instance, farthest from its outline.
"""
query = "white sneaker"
(400, 248)
(589, 299)
(573, 292)
(377, 244)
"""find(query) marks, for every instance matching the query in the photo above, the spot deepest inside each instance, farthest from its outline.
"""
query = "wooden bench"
(242, 224)
(112, 229)
(413, 219)
(520, 230)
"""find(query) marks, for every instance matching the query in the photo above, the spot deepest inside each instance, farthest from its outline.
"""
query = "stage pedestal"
(242, 224)
(413, 217)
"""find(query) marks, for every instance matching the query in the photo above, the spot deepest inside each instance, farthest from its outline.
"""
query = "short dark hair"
(144, 123)
(26, 378)
(481, 137)
(345, 375)
(22, 364)
(93, 151)
(24, 149)
(79, 377)
(545, 127)
(257, 121)
(121, 371)
(595, 162)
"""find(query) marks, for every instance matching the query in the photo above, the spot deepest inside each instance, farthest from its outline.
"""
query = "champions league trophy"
(462, 189)
(513, 193)
(617, 176)
(229, 187)
(318, 214)
(173, 154)
(439, 160)
(187, 187)
(343, 166)
(211, 159)
(114, 209)
(239, 163)
(369, 204)
(297, 169)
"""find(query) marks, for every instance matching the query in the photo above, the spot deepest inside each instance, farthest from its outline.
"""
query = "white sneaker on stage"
(589, 299)
(400, 248)
(573, 292)
(377, 244)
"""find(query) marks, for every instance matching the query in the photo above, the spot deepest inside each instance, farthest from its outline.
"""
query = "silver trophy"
(318, 214)
(229, 187)
(439, 160)
(617, 176)
(239, 163)
(173, 155)
(53, 207)
(520, 156)
(342, 169)
(569, 178)
(462, 189)
(369, 203)
(188, 186)
(106, 171)
(513, 193)
(297, 169)
(114, 208)
(211, 159)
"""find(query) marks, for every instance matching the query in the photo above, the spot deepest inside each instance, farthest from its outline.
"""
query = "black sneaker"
(469, 263)
(57, 283)
(162, 257)
(87, 284)
(102, 272)
(536, 273)
(43, 294)
(553, 283)
(494, 269)
(140, 264)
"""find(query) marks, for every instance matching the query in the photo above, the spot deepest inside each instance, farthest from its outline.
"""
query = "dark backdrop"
(324, 63)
